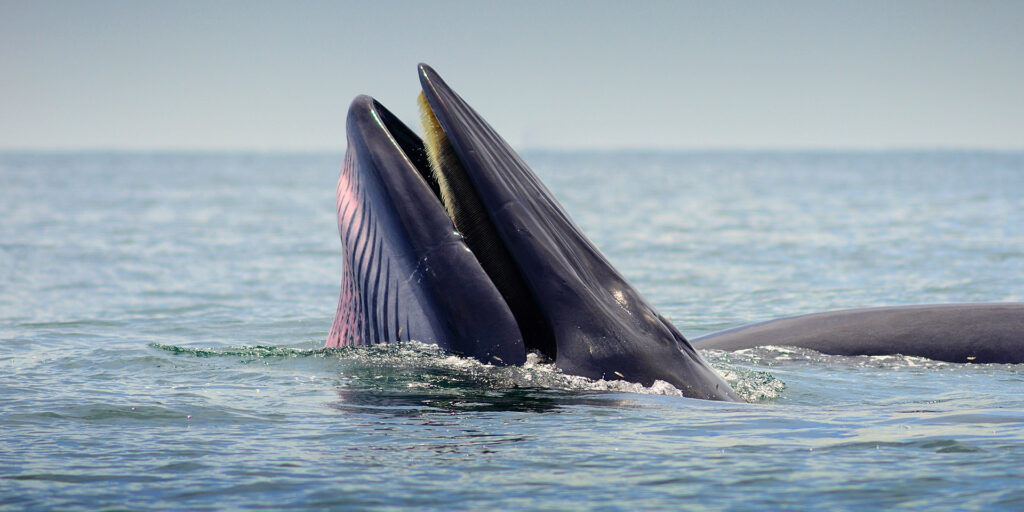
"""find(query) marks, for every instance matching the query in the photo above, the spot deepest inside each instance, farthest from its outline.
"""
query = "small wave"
(249, 351)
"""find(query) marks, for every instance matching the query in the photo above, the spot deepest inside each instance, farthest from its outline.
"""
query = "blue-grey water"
(161, 318)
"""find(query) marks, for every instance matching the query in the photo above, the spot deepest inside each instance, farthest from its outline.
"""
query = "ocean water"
(162, 318)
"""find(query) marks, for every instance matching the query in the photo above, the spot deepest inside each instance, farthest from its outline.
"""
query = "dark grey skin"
(524, 277)
(958, 333)
(409, 275)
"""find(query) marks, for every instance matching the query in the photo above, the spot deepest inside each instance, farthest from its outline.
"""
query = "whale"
(452, 240)
(956, 333)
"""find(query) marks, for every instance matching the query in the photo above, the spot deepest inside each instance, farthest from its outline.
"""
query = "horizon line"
(528, 149)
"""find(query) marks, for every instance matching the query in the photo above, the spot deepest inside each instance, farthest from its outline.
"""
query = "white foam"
(423, 362)
(770, 354)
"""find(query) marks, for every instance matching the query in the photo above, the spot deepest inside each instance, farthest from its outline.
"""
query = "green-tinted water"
(162, 317)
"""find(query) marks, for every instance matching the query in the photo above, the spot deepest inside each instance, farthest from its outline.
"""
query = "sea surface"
(162, 318)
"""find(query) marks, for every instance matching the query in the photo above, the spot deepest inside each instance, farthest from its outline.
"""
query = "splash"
(752, 384)
(419, 366)
(422, 366)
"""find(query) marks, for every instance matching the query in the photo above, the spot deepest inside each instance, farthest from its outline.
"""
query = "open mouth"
(515, 274)
(438, 162)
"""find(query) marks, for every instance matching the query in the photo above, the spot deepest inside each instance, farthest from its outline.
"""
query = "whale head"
(455, 241)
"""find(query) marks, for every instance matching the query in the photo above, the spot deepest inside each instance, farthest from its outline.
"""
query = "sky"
(269, 76)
